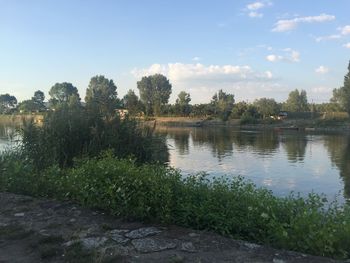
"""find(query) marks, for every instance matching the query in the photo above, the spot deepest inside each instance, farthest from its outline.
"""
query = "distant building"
(282, 115)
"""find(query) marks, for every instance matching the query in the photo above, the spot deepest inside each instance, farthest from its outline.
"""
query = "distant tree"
(267, 107)
(27, 106)
(341, 95)
(239, 109)
(223, 104)
(132, 103)
(182, 104)
(101, 95)
(63, 93)
(296, 102)
(38, 100)
(155, 91)
(7, 103)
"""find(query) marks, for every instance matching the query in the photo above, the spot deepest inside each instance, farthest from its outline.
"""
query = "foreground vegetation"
(158, 193)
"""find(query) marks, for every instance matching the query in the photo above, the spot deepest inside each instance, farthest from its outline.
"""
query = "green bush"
(156, 193)
(74, 132)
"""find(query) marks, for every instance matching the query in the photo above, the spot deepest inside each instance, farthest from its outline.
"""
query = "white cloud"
(345, 30)
(321, 90)
(202, 81)
(196, 58)
(255, 6)
(253, 9)
(347, 45)
(325, 38)
(322, 70)
(290, 24)
(289, 55)
(254, 14)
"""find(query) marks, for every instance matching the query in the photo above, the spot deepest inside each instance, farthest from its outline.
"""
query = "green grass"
(156, 193)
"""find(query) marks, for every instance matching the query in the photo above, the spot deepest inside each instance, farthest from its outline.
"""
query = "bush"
(73, 132)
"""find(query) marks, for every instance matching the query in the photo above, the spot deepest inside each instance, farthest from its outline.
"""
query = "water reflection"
(282, 161)
(339, 152)
(295, 146)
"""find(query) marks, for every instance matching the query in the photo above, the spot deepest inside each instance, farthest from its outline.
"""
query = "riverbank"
(44, 230)
(318, 125)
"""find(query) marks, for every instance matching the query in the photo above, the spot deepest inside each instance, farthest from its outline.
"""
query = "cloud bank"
(202, 81)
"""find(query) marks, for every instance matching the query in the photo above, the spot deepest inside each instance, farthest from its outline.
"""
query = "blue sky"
(249, 48)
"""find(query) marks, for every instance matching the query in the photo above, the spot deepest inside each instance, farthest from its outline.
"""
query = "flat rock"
(148, 245)
(120, 239)
(89, 242)
(19, 215)
(143, 232)
(188, 247)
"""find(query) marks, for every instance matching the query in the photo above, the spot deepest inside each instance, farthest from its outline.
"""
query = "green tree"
(223, 104)
(132, 103)
(155, 91)
(7, 103)
(341, 95)
(182, 104)
(62, 93)
(267, 107)
(38, 100)
(296, 102)
(101, 95)
(27, 106)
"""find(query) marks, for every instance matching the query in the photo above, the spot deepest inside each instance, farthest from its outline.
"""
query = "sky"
(252, 49)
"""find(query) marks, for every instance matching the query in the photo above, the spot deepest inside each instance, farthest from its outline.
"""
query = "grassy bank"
(158, 193)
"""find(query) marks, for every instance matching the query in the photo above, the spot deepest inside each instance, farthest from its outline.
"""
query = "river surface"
(281, 161)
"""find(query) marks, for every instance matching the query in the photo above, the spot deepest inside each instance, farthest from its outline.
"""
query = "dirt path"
(39, 230)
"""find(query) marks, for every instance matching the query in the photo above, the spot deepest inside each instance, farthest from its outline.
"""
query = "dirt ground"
(40, 230)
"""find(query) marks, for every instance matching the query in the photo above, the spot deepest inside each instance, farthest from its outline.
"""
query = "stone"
(88, 243)
(188, 247)
(193, 235)
(72, 220)
(19, 215)
(120, 239)
(276, 260)
(148, 245)
(252, 245)
(143, 232)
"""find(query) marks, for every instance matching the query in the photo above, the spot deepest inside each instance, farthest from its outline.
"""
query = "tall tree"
(296, 102)
(341, 95)
(102, 95)
(182, 104)
(131, 102)
(38, 100)
(223, 104)
(267, 107)
(63, 93)
(155, 91)
(7, 103)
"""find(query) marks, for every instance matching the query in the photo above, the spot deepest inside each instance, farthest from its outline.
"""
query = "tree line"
(153, 100)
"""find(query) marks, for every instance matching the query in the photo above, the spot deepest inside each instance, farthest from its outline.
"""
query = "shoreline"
(293, 124)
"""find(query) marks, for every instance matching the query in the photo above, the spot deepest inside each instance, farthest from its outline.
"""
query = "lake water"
(281, 161)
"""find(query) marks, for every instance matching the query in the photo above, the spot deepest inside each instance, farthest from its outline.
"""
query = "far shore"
(317, 124)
